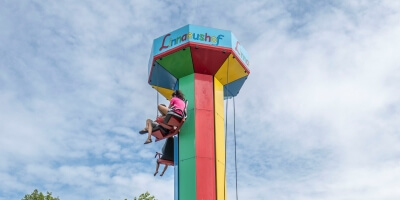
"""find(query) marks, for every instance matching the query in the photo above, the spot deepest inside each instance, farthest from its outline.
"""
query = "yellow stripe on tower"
(219, 139)
(167, 93)
(230, 71)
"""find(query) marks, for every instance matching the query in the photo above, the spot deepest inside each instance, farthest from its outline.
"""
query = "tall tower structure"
(208, 65)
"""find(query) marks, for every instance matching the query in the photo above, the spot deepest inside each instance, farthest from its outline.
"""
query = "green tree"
(36, 195)
(145, 196)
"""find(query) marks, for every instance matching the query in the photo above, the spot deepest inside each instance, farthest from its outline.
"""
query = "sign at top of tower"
(201, 35)
(168, 41)
(191, 33)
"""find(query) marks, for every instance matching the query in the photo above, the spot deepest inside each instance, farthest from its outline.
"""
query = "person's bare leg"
(144, 130)
(149, 131)
(165, 169)
(157, 166)
(163, 109)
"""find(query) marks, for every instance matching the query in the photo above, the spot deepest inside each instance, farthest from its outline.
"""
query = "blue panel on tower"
(232, 89)
(161, 77)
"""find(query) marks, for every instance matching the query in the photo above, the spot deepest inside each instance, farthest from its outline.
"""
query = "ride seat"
(160, 132)
(173, 119)
(171, 124)
(166, 157)
(167, 150)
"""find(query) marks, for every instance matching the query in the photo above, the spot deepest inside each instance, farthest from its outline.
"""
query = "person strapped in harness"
(177, 107)
(166, 157)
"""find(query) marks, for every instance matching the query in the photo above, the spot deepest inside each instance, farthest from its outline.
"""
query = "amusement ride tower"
(208, 65)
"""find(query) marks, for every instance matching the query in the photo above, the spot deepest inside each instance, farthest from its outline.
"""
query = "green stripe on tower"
(187, 162)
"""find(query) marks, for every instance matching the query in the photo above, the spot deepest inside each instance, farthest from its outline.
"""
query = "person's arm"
(171, 103)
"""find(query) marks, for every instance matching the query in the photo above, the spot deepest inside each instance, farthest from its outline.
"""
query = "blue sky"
(318, 117)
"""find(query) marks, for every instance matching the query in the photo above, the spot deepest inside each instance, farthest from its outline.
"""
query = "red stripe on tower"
(205, 142)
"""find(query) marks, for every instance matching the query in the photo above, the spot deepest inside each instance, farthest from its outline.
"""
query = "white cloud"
(316, 119)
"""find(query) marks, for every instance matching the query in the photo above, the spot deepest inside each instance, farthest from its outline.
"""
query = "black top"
(168, 149)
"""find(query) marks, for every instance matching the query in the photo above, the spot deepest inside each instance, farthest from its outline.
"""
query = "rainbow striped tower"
(207, 65)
